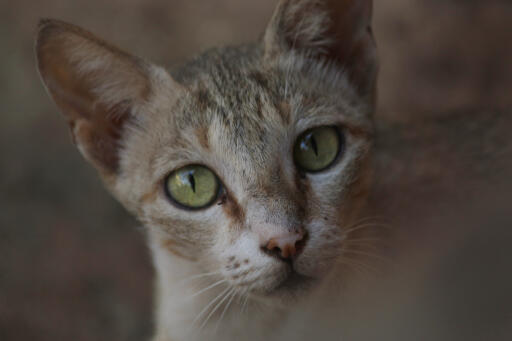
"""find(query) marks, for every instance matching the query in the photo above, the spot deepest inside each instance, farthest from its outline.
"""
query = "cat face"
(249, 162)
(243, 122)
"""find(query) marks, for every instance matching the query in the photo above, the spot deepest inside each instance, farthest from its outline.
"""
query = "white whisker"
(365, 240)
(207, 288)
(233, 294)
(365, 226)
(247, 298)
(202, 275)
(215, 308)
(358, 265)
(367, 254)
(376, 219)
(209, 305)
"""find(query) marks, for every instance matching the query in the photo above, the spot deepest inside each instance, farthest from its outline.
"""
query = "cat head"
(250, 162)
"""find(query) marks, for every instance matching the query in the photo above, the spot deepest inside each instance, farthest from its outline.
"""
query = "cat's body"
(273, 226)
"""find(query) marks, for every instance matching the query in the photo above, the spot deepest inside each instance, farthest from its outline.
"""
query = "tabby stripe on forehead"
(284, 111)
(203, 98)
(202, 137)
(282, 107)
(260, 79)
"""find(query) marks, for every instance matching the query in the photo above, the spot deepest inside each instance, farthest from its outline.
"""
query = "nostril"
(284, 247)
(271, 250)
(273, 246)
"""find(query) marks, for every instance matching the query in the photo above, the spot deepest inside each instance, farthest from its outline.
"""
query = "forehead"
(234, 118)
(243, 115)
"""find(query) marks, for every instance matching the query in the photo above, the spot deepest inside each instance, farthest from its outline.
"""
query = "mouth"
(293, 285)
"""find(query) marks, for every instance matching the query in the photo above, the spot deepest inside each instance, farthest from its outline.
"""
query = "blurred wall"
(73, 265)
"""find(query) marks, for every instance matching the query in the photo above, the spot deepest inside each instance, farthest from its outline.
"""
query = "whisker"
(209, 305)
(362, 240)
(207, 288)
(246, 302)
(362, 245)
(370, 219)
(348, 261)
(367, 254)
(202, 275)
(241, 297)
(247, 299)
(233, 294)
(364, 226)
(355, 267)
(359, 267)
(374, 244)
(215, 308)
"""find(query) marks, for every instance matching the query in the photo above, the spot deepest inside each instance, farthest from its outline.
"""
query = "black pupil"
(313, 144)
(192, 181)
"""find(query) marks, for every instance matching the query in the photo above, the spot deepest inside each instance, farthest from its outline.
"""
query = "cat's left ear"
(336, 31)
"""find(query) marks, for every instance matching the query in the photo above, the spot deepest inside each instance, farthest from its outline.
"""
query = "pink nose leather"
(285, 246)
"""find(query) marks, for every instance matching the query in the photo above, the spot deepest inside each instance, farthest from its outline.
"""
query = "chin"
(296, 286)
(291, 289)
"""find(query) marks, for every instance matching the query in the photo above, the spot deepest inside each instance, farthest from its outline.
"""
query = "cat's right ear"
(97, 86)
(335, 31)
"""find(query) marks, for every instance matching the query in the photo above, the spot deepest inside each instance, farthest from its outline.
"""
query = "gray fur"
(238, 111)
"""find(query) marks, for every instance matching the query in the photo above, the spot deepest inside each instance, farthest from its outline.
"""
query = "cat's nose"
(285, 246)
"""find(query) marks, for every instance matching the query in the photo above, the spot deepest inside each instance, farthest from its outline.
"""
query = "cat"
(275, 136)
(250, 167)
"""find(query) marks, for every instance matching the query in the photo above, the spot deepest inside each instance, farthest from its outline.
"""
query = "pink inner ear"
(95, 128)
(100, 137)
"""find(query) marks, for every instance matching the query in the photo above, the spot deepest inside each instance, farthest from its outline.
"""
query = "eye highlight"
(317, 148)
(192, 187)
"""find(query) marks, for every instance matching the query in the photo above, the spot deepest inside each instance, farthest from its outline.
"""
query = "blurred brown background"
(73, 264)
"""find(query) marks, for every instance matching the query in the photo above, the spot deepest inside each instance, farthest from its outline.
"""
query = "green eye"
(317, 149)
(192, 186)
